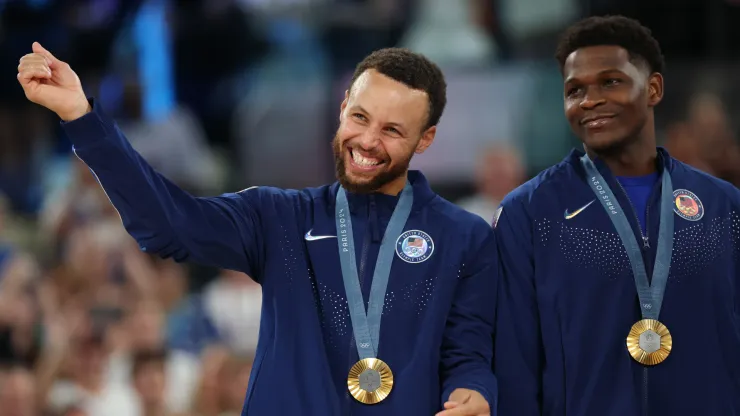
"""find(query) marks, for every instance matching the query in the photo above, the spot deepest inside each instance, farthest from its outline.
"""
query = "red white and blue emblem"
(414, 246)
(687, 205)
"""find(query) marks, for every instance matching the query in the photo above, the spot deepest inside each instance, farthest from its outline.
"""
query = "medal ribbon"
(366, 327)
(651, 296)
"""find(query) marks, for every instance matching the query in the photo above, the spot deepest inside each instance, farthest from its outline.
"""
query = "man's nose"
(592, 99)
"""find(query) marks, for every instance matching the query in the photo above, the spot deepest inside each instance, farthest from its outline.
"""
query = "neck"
(636, 159)
(395, 186)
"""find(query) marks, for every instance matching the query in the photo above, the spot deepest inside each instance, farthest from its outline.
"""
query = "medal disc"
(370, 381)
(649, 342)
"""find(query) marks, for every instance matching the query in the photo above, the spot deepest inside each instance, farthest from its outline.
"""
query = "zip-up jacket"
(438, 315)
(568, 298)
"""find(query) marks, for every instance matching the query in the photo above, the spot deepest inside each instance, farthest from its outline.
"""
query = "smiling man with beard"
(378, 295)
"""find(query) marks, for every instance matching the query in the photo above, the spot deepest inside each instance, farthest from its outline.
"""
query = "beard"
(388, 173)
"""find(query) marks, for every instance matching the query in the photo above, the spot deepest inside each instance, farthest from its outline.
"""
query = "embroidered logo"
(687, 205)
(414, 246)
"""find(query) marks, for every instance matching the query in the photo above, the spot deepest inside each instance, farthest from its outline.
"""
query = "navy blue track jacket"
(567, 299)
(437, 322)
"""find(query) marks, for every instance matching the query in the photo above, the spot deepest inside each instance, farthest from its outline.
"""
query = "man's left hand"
(465, 402)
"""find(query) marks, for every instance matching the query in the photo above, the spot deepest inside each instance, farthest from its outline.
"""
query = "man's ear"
(344, 104)
(655, 89)
(427, 138)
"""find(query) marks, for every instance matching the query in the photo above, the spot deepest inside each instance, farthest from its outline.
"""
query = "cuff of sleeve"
(489, 391)
(90, 128)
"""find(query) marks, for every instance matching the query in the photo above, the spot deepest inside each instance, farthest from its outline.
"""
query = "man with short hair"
(333, 260)
(620, 285)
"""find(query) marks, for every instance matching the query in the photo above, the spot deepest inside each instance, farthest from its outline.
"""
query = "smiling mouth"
(364, 162)
(597, 121)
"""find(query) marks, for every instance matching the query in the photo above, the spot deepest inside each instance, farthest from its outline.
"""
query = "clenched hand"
(51, 83)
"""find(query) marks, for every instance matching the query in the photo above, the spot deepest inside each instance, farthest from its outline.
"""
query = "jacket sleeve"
(221, 231)
(518, 351)
(467, 345)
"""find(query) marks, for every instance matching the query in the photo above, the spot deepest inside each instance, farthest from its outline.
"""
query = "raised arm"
(222, 231)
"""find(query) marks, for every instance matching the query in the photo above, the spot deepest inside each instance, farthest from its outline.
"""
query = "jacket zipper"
(645, 239)
(645, 247)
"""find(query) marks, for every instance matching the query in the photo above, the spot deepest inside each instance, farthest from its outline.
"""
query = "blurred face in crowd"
(17, 392)
(89, 360)
(171, 284)
(382, 124)
(608, 98)
(150, 382)
(146, 326)
(499, 171)
(233, 382)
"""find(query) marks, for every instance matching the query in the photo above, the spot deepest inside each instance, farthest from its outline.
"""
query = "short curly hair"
(612, 30)
(413, 70)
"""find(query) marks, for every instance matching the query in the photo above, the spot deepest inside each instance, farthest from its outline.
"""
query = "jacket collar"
(574, 158)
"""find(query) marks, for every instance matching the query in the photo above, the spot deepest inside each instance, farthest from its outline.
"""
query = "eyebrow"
(359, 108)
(602, 72)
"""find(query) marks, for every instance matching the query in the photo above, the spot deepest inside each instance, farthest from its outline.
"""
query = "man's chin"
(358, 185)
(603, 144)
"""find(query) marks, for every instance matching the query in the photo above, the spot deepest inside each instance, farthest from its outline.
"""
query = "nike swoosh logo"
(310, 237)
(571, 215)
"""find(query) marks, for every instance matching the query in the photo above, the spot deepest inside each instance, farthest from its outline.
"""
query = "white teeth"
(364, 161)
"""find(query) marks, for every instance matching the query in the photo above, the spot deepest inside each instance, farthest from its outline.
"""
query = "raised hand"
(51, 83)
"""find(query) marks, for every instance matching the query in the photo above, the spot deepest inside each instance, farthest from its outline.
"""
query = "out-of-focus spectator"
(174, 144)
(18, 392)
(706, 139)
(449, 33)
(233, 302)
(80, 200)
(682, 145)
(143, 339)
(84, 382)
(499, 171)
(225, 378)
(710, 124)
(150, 381)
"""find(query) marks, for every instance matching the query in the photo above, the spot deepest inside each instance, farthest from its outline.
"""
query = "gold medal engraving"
(649, 342)
(370, 381)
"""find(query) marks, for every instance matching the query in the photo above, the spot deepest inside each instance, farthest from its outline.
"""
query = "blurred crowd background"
(220, 95)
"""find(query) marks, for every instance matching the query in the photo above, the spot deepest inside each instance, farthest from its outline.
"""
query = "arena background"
(221, 95)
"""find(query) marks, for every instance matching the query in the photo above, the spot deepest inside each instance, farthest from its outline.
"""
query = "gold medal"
(649, 342)
(370, 381)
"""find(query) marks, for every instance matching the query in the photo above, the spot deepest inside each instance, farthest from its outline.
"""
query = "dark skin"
(609, 101)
